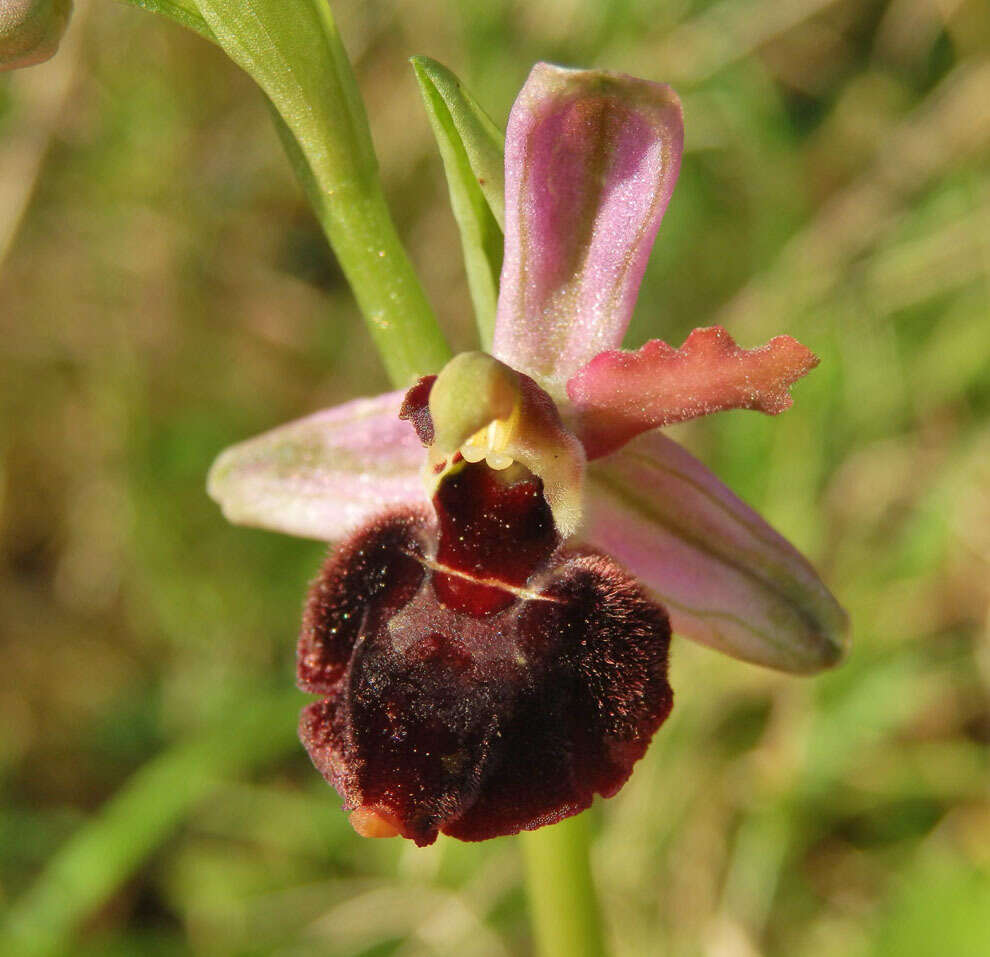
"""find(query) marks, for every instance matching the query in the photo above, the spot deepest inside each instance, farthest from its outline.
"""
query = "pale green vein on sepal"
(183, 12)
(483, 141)
(481, 235)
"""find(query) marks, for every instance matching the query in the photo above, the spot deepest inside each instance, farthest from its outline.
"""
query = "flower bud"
(30, 30)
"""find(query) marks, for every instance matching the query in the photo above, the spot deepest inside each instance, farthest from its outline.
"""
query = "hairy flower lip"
(438, 720)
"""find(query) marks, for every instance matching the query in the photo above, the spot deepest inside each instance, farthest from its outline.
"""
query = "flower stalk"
(563, 905)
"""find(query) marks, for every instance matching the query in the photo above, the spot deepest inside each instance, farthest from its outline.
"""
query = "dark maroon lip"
(478, 676)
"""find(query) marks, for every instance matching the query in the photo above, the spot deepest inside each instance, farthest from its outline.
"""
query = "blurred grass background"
(164, 291)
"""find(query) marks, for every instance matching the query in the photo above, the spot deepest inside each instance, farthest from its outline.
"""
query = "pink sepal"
(322, 476)
(726, 578)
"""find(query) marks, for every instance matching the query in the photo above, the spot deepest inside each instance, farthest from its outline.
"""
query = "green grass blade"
(95, 861)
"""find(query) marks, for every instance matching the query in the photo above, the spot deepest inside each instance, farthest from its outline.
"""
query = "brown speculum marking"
(478, 677)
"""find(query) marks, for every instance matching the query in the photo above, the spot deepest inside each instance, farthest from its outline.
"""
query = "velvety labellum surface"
(478, 678)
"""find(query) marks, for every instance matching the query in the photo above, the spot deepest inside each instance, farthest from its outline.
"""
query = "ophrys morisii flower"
(489, 639)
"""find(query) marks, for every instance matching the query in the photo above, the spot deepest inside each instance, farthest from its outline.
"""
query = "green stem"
(563, 904)
(360, 229)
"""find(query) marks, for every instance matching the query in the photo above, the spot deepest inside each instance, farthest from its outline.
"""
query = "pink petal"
(726, 578)
(321, 476)
(620, 394)
(591, 159)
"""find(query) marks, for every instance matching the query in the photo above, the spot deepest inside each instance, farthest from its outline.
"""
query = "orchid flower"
(517, 540)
